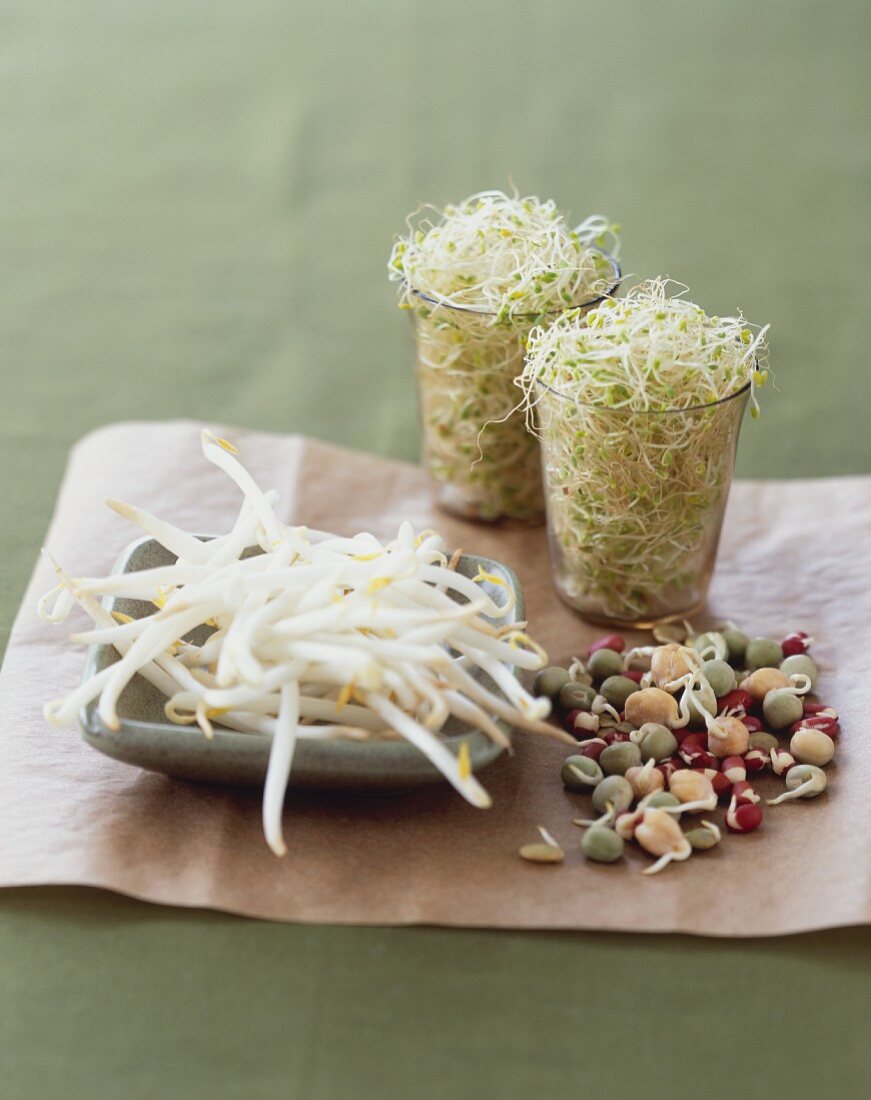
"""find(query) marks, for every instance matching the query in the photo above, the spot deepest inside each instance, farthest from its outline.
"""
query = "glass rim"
(617, 275)
(743, 392)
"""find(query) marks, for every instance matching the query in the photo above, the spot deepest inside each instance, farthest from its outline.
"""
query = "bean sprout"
(314, 636)
(478, 276)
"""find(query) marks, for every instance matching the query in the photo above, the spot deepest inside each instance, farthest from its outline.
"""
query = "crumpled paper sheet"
(794, 555)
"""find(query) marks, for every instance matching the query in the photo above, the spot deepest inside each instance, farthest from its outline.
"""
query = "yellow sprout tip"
(491, 577)
(464, 761)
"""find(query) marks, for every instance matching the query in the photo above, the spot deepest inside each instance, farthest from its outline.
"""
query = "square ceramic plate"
(148, 740)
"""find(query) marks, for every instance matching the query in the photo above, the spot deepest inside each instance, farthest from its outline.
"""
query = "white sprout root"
(638, 441)
(478, 276)
(314, 637)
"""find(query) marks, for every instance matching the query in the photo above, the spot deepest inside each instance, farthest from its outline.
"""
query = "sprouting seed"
(317, 636)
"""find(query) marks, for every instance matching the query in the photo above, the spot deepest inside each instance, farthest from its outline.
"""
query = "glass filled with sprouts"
(477, 278)
(638, 406)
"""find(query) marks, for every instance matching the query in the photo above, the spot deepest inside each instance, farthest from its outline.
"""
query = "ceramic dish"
(147, 740)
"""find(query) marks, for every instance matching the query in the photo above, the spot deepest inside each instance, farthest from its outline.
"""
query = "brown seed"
(542, 853)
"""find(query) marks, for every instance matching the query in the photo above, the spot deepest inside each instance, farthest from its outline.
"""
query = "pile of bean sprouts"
(314, 636)
(478, 276)
(636, 489)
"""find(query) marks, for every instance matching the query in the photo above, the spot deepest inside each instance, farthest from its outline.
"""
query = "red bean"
(819, 708)
(574, 724)
(695, 742)
(756, 760)
(594, 750)
(821, 722)
(795, 643)
(781, 761)
(614, 737)
(720, 782)
(670, 766)
(633, 674)
(743, 817)
(608, 641)
(734, 769)
(738, 699)
(699, 759)
(743, 792)
(753, 724)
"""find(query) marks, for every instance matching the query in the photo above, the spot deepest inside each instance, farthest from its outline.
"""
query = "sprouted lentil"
(700, 767)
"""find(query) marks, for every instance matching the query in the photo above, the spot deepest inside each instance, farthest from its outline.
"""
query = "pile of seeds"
(669, 732)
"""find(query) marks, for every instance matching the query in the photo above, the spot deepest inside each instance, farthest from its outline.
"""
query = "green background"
(197, 204)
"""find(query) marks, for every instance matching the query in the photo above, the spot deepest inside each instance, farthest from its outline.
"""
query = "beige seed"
(728, 737)
(763, 680)
(651, 705)
(646, 780)
(668, 664)
(542, 853)
(659, 833)
(810, 746)
(694, 791)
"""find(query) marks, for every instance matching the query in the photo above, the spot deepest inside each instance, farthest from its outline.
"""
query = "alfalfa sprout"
(478, 275)
(638, 449)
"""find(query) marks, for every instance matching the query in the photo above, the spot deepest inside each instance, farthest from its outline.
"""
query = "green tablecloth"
(198, 201)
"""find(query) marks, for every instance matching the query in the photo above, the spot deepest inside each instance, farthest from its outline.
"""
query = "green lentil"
(617, 690)
(576, 696)
(701, 839)
(591, 773)
(616, 790)
(763, 653)
(737, 642)
(550, 681)
(721, 677)
(604, 663)
(657, 742)
(799, 664)
(661, 799)
(781, 708)
(602, 845)
(763, 740)
(616, 759)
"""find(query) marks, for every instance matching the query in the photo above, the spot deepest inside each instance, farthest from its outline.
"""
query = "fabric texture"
(198, 198)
